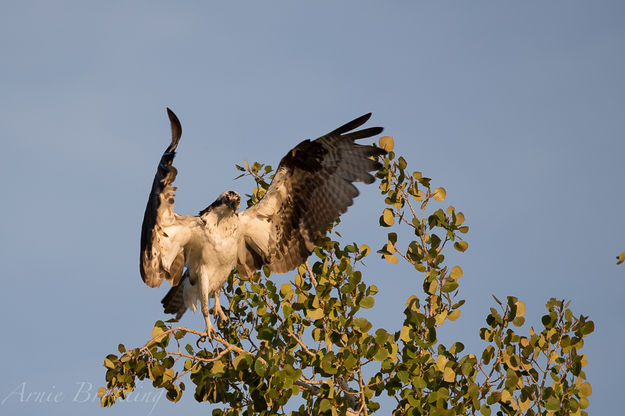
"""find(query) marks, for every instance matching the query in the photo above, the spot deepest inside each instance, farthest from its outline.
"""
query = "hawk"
(311, 188)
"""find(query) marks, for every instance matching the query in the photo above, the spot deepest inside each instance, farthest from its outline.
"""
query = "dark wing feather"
(161, 257)
(311, 188)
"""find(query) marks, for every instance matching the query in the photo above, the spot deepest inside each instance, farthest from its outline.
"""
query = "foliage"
(620, 258)
(306, 343)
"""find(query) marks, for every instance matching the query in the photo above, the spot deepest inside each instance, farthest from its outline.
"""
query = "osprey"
(311, 188)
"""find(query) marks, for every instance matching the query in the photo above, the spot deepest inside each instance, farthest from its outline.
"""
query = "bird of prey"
(311, 188)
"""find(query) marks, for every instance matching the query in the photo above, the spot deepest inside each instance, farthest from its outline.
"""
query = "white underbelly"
(211, 262)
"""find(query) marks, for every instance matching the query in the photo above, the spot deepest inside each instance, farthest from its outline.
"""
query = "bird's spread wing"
(311, 188)
(164, 233)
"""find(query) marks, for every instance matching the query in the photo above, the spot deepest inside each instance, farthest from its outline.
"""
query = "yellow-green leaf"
(506, 396)
(553, 404)
(362, 324)
(583, 403)
(454, 315)
(440, 194)
(387, 143)
(367, 302)
(461, 246)
(286, 290)
(260, 367)
(388, 217)
(459, 218)
(391, 258)
(520, 308)
(585, 389)
(449, 375)
(456, 273)
(108, 363)
(158, 330)
(315, 313)
(404, 334)
(402, 163)
(441, 360)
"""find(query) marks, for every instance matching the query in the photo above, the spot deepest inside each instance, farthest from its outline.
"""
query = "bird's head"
(231, 199)
(228, 202)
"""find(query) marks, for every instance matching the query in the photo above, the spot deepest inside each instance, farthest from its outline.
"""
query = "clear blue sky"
(518, 109)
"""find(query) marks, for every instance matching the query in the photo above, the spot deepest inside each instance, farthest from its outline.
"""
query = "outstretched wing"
(311, 188)
(164, 233)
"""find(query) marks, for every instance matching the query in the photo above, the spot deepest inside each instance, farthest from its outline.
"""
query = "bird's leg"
(216, 310)
(208, 334)
(210, 329)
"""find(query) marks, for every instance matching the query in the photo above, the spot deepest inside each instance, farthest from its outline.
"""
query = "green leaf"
(367, 302)
(402, 163)
(260, 367)
(392, 238)
(511, 379)
(350, 361)
(588, 327)
(553, 404)
(456, 347)
(324, 405)
(381, 354)
(362, 324)
(585, 389)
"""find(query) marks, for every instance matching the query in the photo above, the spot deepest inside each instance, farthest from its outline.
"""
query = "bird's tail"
(173, 302)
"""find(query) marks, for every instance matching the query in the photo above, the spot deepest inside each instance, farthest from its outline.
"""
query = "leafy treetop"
(305, 348)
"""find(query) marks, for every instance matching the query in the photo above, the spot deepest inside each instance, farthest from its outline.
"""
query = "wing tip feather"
(355, 123)
(176, 130)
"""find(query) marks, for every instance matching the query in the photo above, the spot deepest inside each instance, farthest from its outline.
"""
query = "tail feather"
(173, 302)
